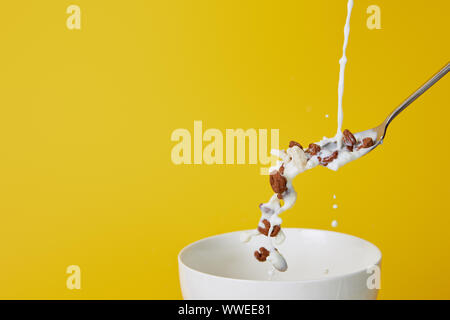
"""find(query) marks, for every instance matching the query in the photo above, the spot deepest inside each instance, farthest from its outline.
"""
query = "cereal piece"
(348, 139)
(294, 143)
(281, 169)
(313, 149)
(275, 231)
(325, 161)
(296, 163)
(366, 143)
(278, 183)
(262, 254)
(265, 230)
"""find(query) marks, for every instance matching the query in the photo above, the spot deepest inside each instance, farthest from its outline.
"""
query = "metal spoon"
(381, 129)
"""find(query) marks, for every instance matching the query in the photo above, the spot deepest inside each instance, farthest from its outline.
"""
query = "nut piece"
(265, 230)
(262, 254)
(328, 159)
(313, 149)
(275, 231)
(294, 143)
(366, 143)
(281, 169)
(348, 139)
(278, 183)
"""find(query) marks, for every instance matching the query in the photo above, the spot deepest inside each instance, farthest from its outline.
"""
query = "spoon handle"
(416, 94)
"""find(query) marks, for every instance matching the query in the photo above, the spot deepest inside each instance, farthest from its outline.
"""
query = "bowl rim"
(305, 281)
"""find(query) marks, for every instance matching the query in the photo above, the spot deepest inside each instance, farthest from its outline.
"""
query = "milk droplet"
(326, 116)
(335, 206)
(334, 196)
(334, 224)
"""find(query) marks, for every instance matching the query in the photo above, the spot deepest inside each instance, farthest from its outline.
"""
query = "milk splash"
(295, 161)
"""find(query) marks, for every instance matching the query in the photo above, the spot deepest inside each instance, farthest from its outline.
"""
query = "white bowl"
(321, 265)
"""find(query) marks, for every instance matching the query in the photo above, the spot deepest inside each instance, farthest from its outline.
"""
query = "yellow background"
(86, 117)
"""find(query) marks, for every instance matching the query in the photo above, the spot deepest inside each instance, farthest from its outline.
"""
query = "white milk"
(295, 161)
